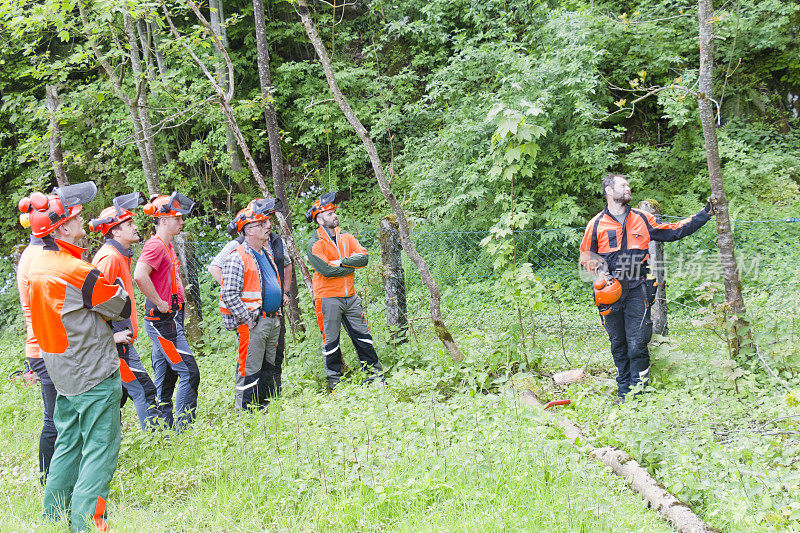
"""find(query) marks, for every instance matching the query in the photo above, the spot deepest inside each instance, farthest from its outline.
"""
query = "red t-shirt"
(155, 254)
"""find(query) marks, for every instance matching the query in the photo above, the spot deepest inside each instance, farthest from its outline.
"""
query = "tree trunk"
(185, 250)
(56, 156)
(150, 176)
(140, 75)
(146, 41)
(273, 135)
(730, 270)
(436, 314)
(659, 309)
(727, 255)
(394, 280)
(217, 20)
(161, 62)
(225, 99)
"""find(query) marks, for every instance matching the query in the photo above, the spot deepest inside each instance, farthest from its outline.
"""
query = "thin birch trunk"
(56, 155)
(730, 270)
(140, 75)
(217, 20)
(146, 41)
(150, 176)
(408, 246)
(225, 99)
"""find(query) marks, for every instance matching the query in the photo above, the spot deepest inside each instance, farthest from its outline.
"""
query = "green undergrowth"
(400, 458)
(444, 447)
(723, 438)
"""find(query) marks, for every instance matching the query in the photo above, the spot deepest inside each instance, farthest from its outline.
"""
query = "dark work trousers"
(172, 358)
(137, 385)
(629, 329)
(47, 439)
(337, 311)
(272, 372)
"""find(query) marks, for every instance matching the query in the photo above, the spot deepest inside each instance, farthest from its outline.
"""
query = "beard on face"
(622, 198)
(327, 222)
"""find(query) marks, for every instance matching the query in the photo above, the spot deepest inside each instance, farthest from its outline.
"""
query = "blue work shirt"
(271, 296)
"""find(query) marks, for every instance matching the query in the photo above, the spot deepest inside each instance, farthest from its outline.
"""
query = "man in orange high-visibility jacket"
(70, 302)
(615, 245)
(113, 259)
(280, 255)
(335, 256)
(250, 301)
(47, 438)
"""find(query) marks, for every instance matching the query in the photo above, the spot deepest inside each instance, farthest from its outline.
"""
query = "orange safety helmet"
(168, 206)
(258, 209)
(607, 291)
(327, 202)
(118, 213)
(47, 212)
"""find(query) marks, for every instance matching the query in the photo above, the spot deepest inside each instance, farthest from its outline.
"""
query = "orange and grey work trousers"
(257, 376)
(337, 311)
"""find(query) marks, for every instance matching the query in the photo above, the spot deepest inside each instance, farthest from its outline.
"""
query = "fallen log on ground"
(675, 511)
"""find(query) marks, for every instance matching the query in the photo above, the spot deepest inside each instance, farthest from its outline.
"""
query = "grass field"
(446, 447)
(367, 459)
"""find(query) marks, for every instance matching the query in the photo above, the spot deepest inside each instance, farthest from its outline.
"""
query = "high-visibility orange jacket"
(330, 280)
(70, 302)
(625, 250)
(241, 291)
(23, 270)
(114, 262)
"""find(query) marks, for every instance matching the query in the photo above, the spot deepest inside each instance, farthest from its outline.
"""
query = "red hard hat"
(168, 206)
(47, 212)
(327, 202)
(256, 210)
(607, 291)
(116, 214)
(107, 219)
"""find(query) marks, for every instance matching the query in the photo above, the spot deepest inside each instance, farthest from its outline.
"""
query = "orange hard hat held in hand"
(607, 290)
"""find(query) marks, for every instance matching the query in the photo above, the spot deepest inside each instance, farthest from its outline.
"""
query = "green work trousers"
(85, 457)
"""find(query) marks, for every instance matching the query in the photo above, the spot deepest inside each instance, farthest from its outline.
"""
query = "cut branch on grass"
(441, 329)
(679, 514)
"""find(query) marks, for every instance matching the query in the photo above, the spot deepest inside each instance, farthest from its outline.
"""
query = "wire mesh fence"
(464, 270)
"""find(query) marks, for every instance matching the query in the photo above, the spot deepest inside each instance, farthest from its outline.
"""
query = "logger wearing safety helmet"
(114, 261)
(280, 255)
(33, 358)
(157, 273)
(250, 301)
(335, 256)
(615, 250)
(70, 302)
